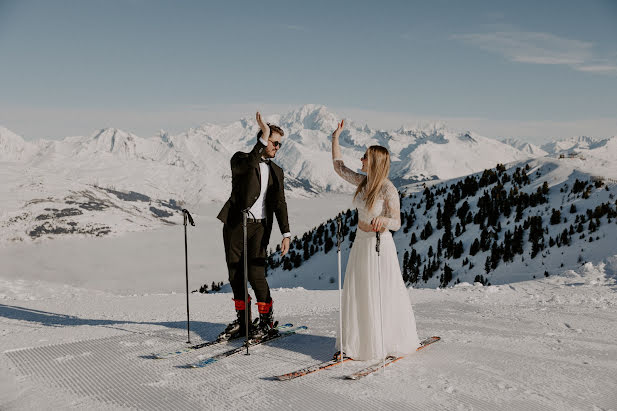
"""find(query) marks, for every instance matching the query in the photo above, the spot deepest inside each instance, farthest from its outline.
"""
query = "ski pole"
(340, 294)
(377, 248)
(246, 275)
(187, 215)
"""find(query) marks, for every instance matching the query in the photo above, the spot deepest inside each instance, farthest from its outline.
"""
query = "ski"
(309, 370)
(170, 354)
(225, 354)
(389, 360)
(327, 364)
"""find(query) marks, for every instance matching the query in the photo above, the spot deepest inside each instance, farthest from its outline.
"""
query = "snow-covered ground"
(545, 345)
(79, 318)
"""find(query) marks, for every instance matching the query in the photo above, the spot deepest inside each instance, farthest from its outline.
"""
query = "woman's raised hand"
(339, 129)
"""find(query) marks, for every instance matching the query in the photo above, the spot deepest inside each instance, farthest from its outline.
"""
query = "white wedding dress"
(362, 324)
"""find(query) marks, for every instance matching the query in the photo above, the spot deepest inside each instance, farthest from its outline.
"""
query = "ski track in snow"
(546, 344)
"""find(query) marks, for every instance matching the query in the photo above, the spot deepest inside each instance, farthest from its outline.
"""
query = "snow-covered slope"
(552, 195)
(40, 206)
(13, 148)
(572, 144)
(443, 154)
(531, 149)
(602, 157)
(598, 154)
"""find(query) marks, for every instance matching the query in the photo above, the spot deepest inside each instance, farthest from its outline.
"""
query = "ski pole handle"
(339, 235)
(186, 214)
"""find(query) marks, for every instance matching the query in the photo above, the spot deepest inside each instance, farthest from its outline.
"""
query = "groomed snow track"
(545, 344)
(118, 373)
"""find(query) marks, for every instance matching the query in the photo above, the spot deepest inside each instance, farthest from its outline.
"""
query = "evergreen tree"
(446, 277)
(406, 266)
(555, 217)
(458, 250)
(519, 212)
(297, 260)
(565, 238)
(427, 231)
(507, 247)
(328, 244)
(517, 240)
(475, 247)
(536, 235)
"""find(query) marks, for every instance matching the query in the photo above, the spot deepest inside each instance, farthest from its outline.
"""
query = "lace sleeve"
(392, 207)
(346, 173)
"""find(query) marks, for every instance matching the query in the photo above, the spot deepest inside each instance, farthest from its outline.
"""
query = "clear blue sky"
(532, 69)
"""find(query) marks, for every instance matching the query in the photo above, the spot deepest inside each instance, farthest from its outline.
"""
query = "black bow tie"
(264, 160)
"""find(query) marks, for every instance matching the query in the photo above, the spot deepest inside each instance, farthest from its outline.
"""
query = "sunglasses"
(276, 143)
(363, 157)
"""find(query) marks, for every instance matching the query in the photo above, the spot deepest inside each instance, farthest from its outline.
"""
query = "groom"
(256, 186)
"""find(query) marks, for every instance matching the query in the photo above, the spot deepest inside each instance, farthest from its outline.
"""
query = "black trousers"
(233, 238)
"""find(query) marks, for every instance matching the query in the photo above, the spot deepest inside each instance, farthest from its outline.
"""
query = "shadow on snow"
(319, 347)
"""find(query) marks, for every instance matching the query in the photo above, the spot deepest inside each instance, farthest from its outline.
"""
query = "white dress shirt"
(258, 210)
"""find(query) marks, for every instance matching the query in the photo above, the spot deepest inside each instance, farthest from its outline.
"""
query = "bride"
(378, 206)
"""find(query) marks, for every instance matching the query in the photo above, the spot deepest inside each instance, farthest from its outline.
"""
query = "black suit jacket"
(245, 189)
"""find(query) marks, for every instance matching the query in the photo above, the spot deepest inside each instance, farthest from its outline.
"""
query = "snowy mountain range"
(193, 167)
(526, 147)
(572, 145)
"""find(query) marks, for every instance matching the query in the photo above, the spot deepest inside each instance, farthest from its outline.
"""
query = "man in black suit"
(257, 186)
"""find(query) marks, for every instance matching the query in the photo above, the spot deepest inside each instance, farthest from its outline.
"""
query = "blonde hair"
(378, 169)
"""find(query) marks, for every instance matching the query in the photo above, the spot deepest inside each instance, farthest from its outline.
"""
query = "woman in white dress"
(378, 206)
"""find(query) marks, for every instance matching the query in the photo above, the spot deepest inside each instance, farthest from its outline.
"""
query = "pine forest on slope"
(536, 218)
